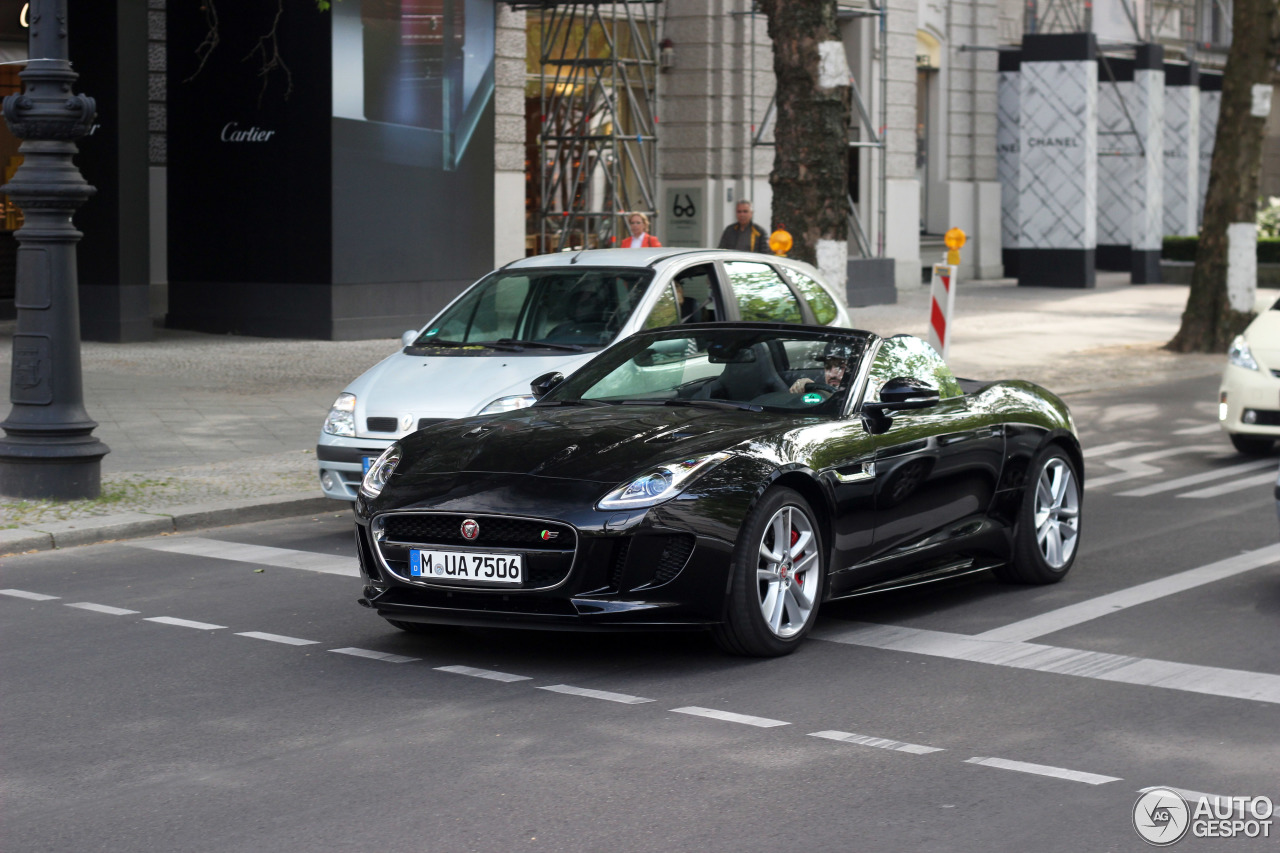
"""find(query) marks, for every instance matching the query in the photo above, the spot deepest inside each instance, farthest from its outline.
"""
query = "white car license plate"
(503, 569)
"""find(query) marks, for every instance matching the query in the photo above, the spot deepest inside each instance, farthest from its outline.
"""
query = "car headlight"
(1240, 355)
(508, 404)
(380, 471)
(342, 416)
(661, 483)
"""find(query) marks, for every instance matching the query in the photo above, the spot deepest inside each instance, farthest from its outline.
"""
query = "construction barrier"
(942, 303)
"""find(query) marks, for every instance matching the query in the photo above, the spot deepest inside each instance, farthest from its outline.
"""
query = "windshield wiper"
(589, 403)
(443, 344)
(517, 343)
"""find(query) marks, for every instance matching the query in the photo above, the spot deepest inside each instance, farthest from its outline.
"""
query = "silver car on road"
(551, 313)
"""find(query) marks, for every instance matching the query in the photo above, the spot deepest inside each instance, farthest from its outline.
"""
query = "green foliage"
(1184, 248)
(1269, 218)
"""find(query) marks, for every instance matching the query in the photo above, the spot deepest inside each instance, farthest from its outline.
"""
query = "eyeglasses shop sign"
(233, 131)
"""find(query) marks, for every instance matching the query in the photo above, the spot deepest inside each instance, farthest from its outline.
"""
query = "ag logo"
(470, 530)
(1160, 816)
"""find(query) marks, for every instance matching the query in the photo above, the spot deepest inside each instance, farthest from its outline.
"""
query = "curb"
(138, 525)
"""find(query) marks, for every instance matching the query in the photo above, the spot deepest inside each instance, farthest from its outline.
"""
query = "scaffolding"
(597, 143)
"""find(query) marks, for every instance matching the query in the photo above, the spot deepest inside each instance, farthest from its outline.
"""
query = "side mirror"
(544, 383)
(903, 393)
(896, 395)
(408, 337)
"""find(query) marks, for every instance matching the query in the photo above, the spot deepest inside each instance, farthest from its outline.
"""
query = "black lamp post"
(49, 450)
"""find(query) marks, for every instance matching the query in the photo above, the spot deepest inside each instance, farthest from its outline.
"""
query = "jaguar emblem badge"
(470, 530)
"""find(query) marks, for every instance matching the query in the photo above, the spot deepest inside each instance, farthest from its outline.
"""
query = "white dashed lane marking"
(184, 623)
(102, 608)
(1203, 477)
(596, 694)
(491, 674)
(372, 655)
(259, 555)
(31, 596)
(1044, 770)
(277, 638)
(1203, 429)
(730, 717)
(877, 742)
(1103, 605)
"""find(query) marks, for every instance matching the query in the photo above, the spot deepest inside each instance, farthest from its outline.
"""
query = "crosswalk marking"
(1196, 479)
(1133, 467)
(1093, 608)
(1113, 447)
(1146, 672)
(261, 555)
(1203, 429)
(1238, 485)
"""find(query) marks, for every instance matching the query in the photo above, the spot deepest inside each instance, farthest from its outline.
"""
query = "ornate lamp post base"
(48, 450)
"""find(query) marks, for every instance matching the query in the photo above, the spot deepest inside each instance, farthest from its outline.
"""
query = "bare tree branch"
(211, 38)
(268, 47)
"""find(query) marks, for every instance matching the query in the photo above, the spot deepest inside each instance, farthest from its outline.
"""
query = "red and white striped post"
(942, 293)
(942, 303)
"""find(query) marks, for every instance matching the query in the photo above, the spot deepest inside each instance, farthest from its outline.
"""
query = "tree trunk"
(810, 166)
(1209, 322)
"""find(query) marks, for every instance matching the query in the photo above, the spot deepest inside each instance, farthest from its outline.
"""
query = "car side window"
(820, 302)
(910, 357)
(690, 298)
(761, 294)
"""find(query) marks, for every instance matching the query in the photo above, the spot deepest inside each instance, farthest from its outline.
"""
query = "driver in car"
(835, 360)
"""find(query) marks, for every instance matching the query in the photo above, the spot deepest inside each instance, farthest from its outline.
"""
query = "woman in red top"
(640, 237)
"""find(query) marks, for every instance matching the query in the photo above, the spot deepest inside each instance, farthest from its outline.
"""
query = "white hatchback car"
(551, 313)
(1249, 396)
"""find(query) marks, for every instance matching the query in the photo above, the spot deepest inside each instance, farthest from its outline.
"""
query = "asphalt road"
(223, 692)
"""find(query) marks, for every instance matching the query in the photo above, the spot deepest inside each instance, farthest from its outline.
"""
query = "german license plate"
(365, 462)
(503, 569)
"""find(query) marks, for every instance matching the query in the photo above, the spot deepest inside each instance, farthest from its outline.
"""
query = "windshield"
(586, 307)
(808, 373)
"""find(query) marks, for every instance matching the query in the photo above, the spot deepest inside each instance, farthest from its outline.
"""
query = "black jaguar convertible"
(721, 476)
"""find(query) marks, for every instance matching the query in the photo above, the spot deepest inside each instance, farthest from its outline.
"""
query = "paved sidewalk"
(213, 429)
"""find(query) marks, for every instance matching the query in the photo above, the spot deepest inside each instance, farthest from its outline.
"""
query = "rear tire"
(779, 570)
(1251, 445)
(1046, 536)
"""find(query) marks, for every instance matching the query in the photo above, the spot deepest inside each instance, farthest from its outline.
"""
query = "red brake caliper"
(795, 537)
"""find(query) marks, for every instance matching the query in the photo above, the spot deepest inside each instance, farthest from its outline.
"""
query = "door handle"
(860, 473)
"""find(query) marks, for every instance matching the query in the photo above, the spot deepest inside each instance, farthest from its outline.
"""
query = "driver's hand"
(800, 384)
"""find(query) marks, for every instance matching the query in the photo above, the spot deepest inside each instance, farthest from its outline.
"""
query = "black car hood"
(604, 444)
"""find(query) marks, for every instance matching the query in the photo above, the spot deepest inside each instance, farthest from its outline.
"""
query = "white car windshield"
(572, 307)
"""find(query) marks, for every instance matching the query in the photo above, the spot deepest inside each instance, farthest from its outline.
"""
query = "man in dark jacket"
(744, 235)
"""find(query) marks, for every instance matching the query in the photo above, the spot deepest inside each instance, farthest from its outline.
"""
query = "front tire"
(778, 574)
(1046, 537)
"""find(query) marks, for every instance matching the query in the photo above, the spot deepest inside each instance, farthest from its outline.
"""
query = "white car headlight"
(342, 416)
(661, 483)
(1240, 355)
(380, 471)
(508, 404)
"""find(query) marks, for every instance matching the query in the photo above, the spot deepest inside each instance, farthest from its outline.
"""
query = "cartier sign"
(233, 132)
